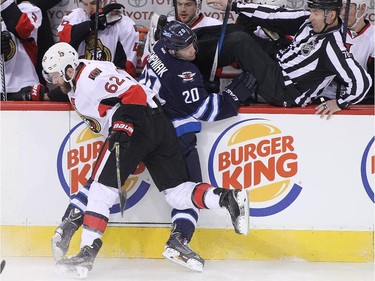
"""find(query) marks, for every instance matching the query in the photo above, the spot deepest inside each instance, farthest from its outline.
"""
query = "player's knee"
(179, 197)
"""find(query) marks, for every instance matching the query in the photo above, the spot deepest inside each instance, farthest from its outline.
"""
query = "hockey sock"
(203, 197)
(184, 222)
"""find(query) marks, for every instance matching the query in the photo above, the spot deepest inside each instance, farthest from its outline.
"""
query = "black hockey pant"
(239, 46)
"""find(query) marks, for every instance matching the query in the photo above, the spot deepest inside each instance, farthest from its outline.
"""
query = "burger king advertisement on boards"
(76, 159)
(257, 155)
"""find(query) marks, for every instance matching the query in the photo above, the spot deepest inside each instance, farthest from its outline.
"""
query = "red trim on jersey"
(198, 195)
(134, 95)
(31, 49)
(130, 68)
(199, 19)
(79, 72)
(94, 222)
(24, 26)
(103, 109)
(65, 33)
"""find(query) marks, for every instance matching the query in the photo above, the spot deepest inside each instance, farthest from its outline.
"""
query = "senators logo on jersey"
(102, 52)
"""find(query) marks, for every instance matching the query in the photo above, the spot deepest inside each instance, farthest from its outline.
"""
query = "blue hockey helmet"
(177, 35)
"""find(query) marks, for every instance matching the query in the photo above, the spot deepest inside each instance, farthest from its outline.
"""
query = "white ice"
(114, 269)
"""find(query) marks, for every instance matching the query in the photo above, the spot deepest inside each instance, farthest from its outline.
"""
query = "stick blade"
(123, 198)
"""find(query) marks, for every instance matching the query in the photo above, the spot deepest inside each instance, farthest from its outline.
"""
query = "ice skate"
(79, 265)
(237, 203)
(64, 233)
(178, 251)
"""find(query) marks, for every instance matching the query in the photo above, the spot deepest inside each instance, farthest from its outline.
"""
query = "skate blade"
(78, 272)
(174, 256)
(57, 252)
(242, 222)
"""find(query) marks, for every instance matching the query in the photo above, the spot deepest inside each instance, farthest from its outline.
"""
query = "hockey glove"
(105, 17)
(121, 132)
(242, 88)
(29, 93)
(5, 42)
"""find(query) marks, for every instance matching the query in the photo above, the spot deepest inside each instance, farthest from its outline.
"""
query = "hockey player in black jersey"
(181, 88)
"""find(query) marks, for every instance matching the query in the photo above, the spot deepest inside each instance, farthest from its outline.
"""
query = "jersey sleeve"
(22, 20)
(129, 39)
(74, 28)
(348, 71)
(279, 19)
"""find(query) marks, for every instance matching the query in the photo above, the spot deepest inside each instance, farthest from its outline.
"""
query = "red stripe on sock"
(95, 223)
(198, 195)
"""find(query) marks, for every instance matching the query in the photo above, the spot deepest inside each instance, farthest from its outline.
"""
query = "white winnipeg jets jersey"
(20, 61)
(123, 32)
(100, 89)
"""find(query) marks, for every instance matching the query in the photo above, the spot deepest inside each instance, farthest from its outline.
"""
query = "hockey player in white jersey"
(19, 34)
(117, 34)
(113, 104)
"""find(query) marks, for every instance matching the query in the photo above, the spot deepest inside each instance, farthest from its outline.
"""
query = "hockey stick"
(175, 9)
(121, 192)
(344, 28)
(96, 30)
(4, 95)
(220, 42)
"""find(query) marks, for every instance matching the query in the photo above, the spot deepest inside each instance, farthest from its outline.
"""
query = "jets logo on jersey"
(187, 76)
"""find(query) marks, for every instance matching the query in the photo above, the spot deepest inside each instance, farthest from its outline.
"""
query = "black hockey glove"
(29, 93)
(162, 21)
(121, 132)
(5, 42)
(242, 87)
(212, 86)
(102, 16)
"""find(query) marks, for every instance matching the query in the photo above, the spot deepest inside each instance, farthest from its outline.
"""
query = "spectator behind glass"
(19, 35)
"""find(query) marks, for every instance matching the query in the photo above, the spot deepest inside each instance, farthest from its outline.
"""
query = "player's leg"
(101, 199)
(185, 221)
(102, 195)
(71, 221)
(242, 48)
(205, 196)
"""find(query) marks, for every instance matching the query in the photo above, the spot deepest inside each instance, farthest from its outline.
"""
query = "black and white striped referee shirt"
(312, 60)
